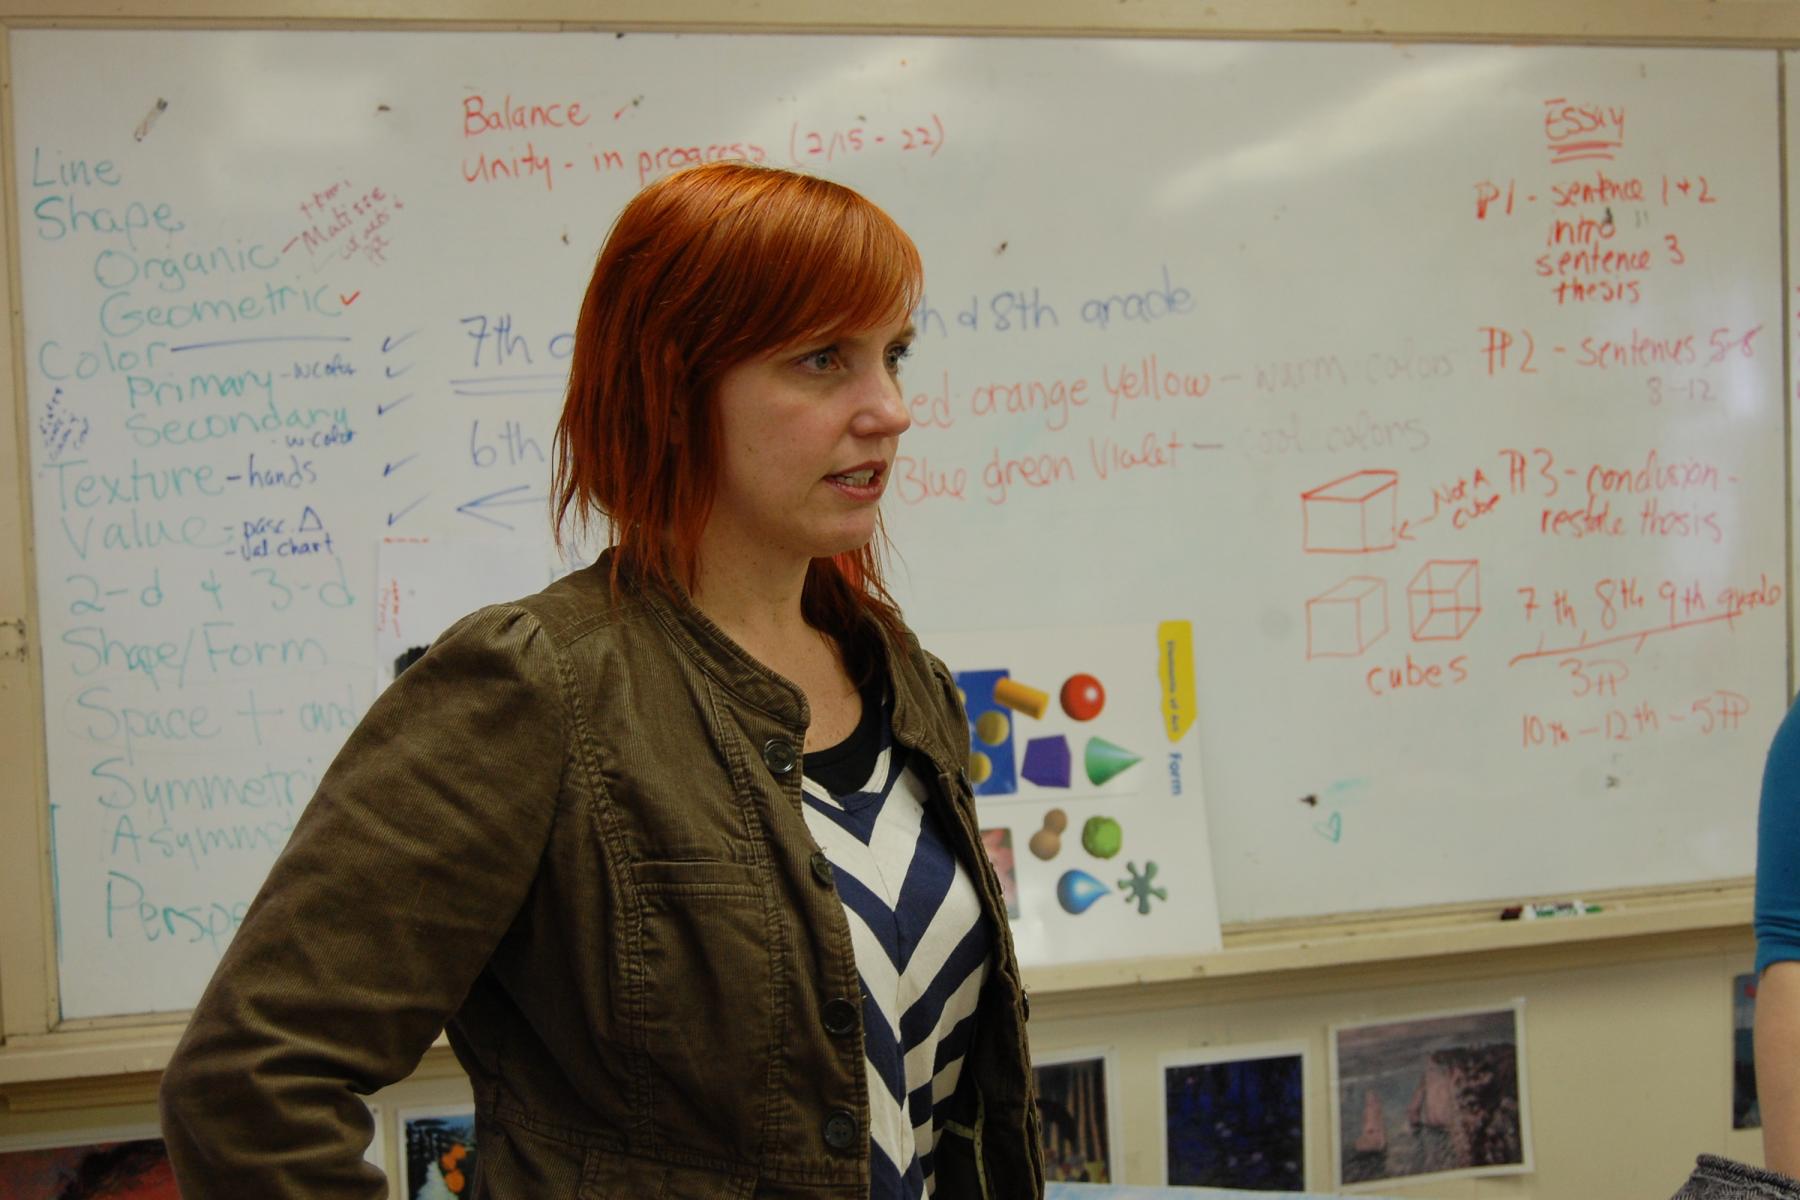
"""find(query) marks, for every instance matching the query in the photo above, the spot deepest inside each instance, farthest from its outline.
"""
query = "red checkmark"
(347, 301)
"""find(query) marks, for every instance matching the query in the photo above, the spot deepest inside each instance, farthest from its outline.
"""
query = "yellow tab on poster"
(1175, 667)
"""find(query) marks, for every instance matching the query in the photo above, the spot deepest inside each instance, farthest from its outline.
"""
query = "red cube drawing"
(1348, 619)
(1444, 599)
(1352, 515)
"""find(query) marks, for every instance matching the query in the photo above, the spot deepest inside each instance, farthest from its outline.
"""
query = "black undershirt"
(846, 767)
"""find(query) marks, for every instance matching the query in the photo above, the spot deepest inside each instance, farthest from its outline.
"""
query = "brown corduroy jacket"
(572, 831)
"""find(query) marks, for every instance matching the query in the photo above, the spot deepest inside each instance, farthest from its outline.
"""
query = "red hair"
(705, 269)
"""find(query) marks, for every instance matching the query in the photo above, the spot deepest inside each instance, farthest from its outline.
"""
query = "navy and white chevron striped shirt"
(921, 942)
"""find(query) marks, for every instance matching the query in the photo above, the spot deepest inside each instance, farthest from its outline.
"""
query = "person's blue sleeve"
(1778, 849)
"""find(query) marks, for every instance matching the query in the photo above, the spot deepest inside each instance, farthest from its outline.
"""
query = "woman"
(1777, 1036)
(680, 847)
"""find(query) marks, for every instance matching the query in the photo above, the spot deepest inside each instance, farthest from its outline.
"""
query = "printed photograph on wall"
(1075, 1111)
(439, 1160)
(1000, 853)
(1235, 1117)
(127, 1169)
(1745, 1112)
(1434, 1095)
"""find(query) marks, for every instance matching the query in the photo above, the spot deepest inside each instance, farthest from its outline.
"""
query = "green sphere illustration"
(1102, 837)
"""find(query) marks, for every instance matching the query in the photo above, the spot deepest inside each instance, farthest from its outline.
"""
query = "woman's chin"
(848, 541)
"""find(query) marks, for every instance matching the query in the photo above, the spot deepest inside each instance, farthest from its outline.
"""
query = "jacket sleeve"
(399, 879)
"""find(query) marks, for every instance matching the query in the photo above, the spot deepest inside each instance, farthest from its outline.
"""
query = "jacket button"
(839, 1017)
(779, 756)
(821, 868)
(840, 1130)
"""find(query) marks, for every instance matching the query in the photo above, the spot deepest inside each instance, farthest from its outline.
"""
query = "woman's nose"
(884, 412)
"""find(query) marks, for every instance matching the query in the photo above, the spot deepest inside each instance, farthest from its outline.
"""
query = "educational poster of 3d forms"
(1084, 759)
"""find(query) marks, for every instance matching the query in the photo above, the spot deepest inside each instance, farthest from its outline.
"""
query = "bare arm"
(1778, 950)
(1778, 1065)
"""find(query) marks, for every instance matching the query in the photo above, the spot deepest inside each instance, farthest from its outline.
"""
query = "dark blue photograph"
(1237, 1123)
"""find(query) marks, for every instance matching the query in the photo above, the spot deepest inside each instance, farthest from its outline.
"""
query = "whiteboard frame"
(1756, 24)
(35, 1047)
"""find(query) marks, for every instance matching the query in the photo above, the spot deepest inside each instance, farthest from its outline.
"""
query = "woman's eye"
(820, 360)
(897, 355)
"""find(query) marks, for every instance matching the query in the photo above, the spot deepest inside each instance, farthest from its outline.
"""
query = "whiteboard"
(1440, 387)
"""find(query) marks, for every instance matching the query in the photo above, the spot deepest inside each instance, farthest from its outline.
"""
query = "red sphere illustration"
(1083, 697)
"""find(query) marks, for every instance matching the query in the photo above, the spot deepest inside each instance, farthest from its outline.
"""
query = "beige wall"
(1627, 1053)
(1627, 1016)
(1628, 1063)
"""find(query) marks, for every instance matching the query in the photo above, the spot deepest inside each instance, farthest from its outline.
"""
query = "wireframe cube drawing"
(1352, 515)
(1444, 599)
(1348, 619)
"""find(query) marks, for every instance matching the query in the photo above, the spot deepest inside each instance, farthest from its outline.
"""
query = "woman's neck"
(760, 610)
(758, 606)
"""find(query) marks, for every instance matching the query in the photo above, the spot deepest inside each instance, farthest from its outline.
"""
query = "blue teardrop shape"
(1076, 891)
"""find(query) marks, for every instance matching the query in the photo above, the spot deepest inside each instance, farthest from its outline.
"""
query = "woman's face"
(807, 437)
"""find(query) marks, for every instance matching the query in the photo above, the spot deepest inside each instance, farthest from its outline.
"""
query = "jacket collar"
(711, 649)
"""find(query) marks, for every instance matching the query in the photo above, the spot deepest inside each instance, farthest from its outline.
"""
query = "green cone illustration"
(1104, 760)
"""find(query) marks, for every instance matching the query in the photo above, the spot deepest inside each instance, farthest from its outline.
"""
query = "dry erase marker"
(1535, 912)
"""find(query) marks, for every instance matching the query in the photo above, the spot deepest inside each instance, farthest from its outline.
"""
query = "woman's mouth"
(863, 482)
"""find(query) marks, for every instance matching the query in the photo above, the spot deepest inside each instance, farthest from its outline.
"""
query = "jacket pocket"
(512, 1161)
(707, 1005)
(610, 1176)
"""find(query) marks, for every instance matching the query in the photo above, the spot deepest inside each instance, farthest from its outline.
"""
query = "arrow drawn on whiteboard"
(493, 500)
(395, 516)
